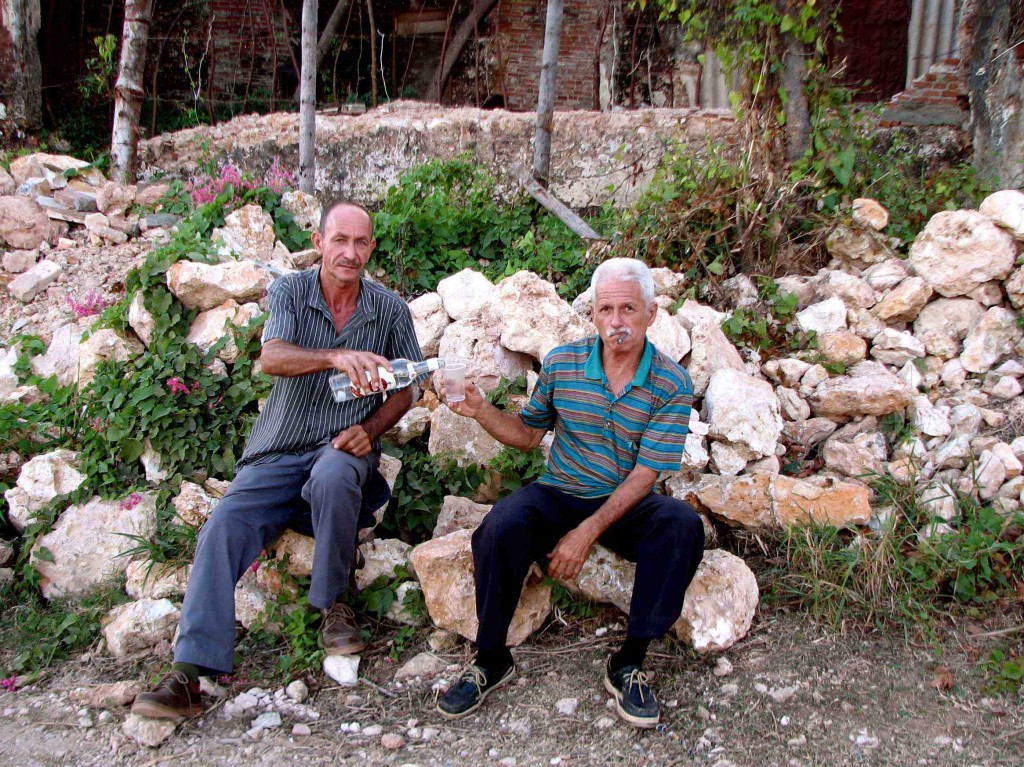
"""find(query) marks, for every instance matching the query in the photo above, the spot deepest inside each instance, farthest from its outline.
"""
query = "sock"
(497, 659)
(632, 653)
(190, 670)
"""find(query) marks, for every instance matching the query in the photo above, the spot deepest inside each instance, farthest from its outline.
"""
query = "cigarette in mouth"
(620, 335)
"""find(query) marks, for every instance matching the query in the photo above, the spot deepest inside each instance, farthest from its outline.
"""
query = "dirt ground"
(795, 695)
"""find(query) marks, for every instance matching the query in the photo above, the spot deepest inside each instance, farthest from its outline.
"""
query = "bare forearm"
(280, 358)
(507, 428)
(388, 414)
(627, 495)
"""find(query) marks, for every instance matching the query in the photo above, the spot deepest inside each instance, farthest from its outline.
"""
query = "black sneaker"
(634, 699)
(467, 694)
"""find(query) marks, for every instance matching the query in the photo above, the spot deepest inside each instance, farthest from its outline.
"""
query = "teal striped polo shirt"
(600, 438)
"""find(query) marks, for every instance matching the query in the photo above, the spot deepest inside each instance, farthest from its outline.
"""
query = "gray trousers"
(254, 512)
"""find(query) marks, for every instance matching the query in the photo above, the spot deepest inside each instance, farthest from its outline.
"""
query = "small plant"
(1004, 670)
(569, 603)
(767, 326)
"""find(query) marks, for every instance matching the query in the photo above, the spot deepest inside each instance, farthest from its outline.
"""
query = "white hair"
(625, 269)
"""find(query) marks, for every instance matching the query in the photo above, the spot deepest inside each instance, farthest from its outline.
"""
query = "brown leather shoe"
(340, 634)
(173, 697)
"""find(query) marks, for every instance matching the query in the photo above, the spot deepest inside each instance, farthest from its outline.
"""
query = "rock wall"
(360, 157)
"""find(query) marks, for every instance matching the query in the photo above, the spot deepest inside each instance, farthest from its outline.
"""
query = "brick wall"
(938, 97)
(519, 44)
(247, 43)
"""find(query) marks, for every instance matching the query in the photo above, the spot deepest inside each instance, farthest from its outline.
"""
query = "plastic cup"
(453, 378)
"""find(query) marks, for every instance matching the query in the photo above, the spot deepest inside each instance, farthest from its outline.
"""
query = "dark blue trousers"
(662, 535)
(257, 508)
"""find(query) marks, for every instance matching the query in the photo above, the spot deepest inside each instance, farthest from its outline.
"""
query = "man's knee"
(507, 518)
(336, 473)
(675, 520)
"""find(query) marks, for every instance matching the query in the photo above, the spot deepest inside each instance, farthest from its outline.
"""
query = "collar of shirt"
(594, 368)
(364, 304)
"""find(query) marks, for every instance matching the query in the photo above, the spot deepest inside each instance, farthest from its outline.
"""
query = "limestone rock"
(806, 435)
(414, 423)
(895, 347)
(720, 603)
(851, 290)
(992, 338)
(421, 666)
(7, 183)
(535, 319)
(247, 232)
(1014, 288)
(710, 352)
(146, 579)
(803, 286)
(478, 342)
(41, 480)
(730, 459)
(792, 406)
(139, 625)
(960, 250)
(668, 336)
(459, 514)
(904, 302)
(870, 213)
(691, 314)
(886, 275)
(204, 286)
(141, 320)
(56, 169)
(695, 453)
(857, 246)
(104, 345)
(222, 321)
(1006, 208)
(868, 389)
(19, 261)
(743, 410)
(23, 223)
(383, 557)
(25, 287)
(444, 567)
(112, 695)
(843, 346)
(429, 319)
(989, 474)
(113, 198)
(305, 209)
(298, 550)
(605, 577)
(87, 543)
(862, 455)
(462, 436)
(939, 500)
(465, 294)
(786, 371)
(148, 732)
(399, 611)
(823, 317)
(668, 283)
(929, 419)
(193, 504)
(775, 500)
(343, 669)
(945, 322)
(864, 323)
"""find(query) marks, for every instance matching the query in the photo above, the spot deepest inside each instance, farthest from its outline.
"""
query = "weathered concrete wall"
(594, 156)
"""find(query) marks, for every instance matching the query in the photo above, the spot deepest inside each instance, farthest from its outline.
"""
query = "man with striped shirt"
(306, 454)
(619, 410)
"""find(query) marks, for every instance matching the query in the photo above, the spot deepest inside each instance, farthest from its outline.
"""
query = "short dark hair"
(342, 204)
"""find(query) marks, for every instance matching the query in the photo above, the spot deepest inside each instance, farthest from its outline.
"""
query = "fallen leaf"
(943, 679)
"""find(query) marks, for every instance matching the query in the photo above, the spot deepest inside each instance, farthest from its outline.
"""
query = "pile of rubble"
(935, 336)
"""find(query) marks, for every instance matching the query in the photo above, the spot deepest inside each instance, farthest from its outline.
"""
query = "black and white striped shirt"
(300, 414)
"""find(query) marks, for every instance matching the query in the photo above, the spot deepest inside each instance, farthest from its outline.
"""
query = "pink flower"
(10, 684)
(254, 566)
(177, 386)
(130, 502)
(278, 178)
(93, 303)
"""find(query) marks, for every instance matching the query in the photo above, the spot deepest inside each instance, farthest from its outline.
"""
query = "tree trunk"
(373, 52)
(546, 97)
(307, 100)
(798, 117)
(995, 88)
(330, 29)
(129, 90)
(454, 48)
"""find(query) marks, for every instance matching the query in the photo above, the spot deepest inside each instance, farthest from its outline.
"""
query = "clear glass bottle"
(405, 372)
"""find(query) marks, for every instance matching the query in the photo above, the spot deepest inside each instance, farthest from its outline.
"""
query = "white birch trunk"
(129, 91)
(546, 97)
(307, 99)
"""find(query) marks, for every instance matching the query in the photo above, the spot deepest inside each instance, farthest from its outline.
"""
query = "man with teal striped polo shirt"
(619, 410)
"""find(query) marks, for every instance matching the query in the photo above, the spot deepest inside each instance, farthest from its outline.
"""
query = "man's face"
(620, 315)
(345, 245)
